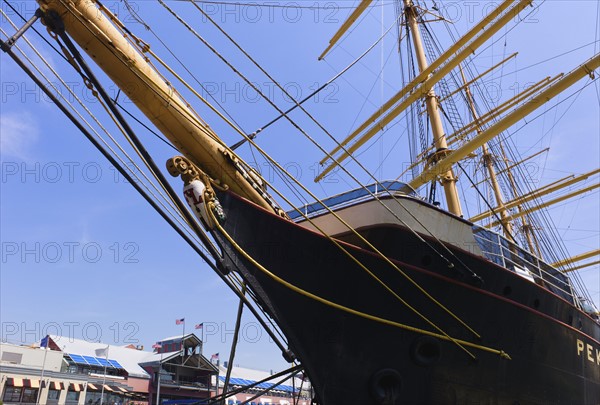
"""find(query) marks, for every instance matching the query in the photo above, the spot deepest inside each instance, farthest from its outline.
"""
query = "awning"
(17, 382)
(55, 385)
(74, 387)
(92, 387)
(122, 389)
(34, 383)
(107, 388)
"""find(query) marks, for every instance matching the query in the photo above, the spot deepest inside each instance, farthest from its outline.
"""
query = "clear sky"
(84, 256)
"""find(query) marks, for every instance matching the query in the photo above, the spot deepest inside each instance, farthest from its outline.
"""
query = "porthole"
(426, 351)
(385, 386)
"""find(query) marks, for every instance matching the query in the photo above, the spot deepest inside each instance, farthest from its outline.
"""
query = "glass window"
(557, 282)
(53, 394)
(92, 398)
(12, 394)
(29, 395)
(489, 244)
(72, 395)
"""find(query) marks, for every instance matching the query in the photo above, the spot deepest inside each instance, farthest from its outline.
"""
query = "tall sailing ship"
(388, 293)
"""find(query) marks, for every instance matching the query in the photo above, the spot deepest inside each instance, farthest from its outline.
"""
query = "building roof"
(246, 376)
(155, 358)
(128, 358)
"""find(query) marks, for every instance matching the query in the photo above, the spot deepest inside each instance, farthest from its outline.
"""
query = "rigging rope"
(420, 288)
(220, 397)
(369, 244)
(236, 332)
(92, 116)
(228, 280)
(558, 243)
(250, 138)
(382, 256)
(460, 343)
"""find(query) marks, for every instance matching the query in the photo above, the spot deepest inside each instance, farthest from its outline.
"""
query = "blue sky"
(85, 256)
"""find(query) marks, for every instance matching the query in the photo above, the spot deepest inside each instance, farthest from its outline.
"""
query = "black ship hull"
(554, 348)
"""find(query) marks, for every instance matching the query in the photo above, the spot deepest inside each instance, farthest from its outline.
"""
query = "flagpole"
(158, 380)
(37, 401)
(182, 336)
(104, 377)
(218, 372)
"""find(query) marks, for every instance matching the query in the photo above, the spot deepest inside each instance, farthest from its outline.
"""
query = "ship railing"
(351, 197)
(509, 255)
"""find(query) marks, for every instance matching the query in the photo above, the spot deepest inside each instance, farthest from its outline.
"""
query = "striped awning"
(75, 387)
(122, 389)
(23, 382)
(92, 387)
(107, 388)
(55, 385)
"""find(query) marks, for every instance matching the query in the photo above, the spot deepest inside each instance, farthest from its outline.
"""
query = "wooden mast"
(157, 99)
(526, 227)
(448, 179)
(585, 69)
(488, 162)
(426, 79)
(542, 191)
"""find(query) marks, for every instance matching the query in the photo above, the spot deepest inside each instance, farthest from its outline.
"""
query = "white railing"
(509, 255)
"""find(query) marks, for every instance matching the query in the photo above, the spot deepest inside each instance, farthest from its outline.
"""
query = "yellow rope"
(369, 244)
(343, 308)
(394, 266)
(384, 257)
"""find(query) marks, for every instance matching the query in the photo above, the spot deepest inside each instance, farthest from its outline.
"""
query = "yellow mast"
(527, 228)
(425, 80)
(142, 84)
(346, 25)
(576, 258)
(585, 69)
(510, 166)
(581, 266)
(448, 179)
(547, 189)
(489, 165)
(551, 202)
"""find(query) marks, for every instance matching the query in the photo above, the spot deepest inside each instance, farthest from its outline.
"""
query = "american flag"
(199, 326)
(179, 321)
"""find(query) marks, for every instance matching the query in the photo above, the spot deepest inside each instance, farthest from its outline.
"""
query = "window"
(11, 357)
(72, 395)
(30, 395)
(92, 398)
(53, 395)
(12, 394)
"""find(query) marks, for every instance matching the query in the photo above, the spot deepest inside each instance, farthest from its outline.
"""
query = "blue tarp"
(265, 385)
